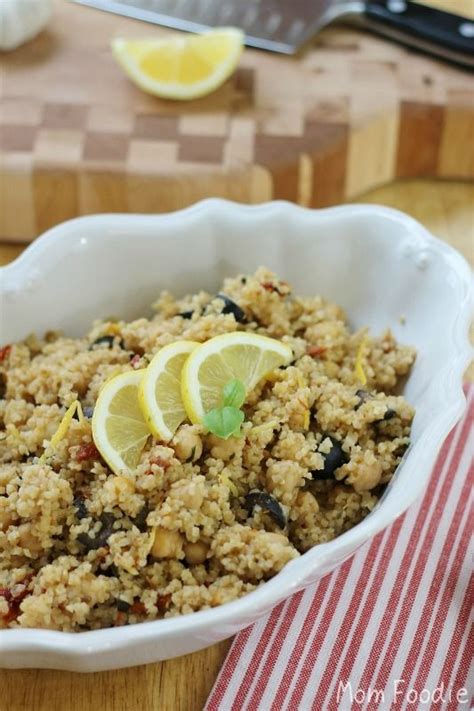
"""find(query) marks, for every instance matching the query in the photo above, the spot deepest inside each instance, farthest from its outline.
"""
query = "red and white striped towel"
(388, 630)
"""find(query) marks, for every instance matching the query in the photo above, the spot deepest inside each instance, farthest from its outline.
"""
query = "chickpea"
(187, 443)
(190, 493)
(367, 474)
(224, 448)
(167, 544)
(196, 553)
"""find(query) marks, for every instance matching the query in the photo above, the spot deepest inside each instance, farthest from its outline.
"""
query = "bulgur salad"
(207, 498)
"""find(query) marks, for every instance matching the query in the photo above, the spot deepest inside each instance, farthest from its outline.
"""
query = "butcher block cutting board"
(352, 112)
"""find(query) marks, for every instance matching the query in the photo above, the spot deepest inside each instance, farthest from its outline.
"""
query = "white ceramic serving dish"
(379, 264)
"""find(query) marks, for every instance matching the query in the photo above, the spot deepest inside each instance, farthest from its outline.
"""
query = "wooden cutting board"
(351, 113)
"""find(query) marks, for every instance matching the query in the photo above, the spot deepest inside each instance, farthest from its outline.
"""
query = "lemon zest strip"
(263, 427)
(359, 369)
(62, 429)
(306, 419)
(224, 479)
(80, 413)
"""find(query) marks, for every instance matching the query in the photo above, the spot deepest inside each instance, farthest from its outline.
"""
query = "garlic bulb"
(21, 20)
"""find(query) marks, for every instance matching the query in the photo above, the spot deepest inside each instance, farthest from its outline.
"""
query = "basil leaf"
(234, 393)
(224, 422)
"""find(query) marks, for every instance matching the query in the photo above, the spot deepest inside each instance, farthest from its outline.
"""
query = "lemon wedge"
(247, 357)
(119, 429)
(160, 390)
(181, 67)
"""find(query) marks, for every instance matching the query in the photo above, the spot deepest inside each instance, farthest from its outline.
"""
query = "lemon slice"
(181, 67)
(160, 390)
(119, 429)
(244, 356)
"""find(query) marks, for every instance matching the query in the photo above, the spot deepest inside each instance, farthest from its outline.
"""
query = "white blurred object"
(21, 20)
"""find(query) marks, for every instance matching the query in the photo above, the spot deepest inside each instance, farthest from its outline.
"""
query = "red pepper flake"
(315, 351)
(135, 360)
(138, 608)
(270, 286)
(120, 619)
(4, 352)
(87, 451)
(11, 615)
(163, 602)
(15, 596)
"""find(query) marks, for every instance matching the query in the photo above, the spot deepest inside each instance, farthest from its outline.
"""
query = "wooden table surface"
(183, 684)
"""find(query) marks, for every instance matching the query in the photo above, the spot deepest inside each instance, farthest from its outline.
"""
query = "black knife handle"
(426, 28)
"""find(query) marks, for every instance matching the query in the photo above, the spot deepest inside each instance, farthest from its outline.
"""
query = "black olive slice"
(123, 605)
(186, 314)
(101, 538)
(230, 307)
(140, 518)
(333, 459)
(79, 504)
(111, 571)
(363, 396)
(109, 340)
(268, 503)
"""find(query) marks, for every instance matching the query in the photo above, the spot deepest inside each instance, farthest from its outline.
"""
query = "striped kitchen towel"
(389, 629)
